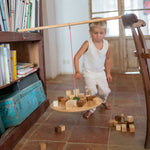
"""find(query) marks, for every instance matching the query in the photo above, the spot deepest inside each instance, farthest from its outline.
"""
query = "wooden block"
(71, 97)
(68, 93)
(131, 128)
(115, 123)
(124, 127)
(118, 127)
(81, 95)
(55, 103)
(111, 123)
(60, 128)
(90, 98)
(87, 92)
(118, 118)
(76, 92)
(43, 146)
(59, 98)
(130, 119)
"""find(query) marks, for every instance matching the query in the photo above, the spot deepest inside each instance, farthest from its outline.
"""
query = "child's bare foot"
(87, 114)
(107, 105)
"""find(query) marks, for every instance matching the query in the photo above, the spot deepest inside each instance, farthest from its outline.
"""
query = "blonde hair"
(101, 24)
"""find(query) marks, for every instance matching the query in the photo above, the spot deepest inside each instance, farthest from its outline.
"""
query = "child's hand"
(109, 78)
(78, 75)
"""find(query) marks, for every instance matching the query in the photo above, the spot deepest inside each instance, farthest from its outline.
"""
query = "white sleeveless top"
(93, 58)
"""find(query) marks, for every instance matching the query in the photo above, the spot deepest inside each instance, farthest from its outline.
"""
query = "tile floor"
(127, 97)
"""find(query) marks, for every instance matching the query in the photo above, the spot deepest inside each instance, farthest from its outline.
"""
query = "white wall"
(50, 41)
(57, 41)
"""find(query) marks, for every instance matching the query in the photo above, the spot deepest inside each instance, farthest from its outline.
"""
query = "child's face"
(98, 34)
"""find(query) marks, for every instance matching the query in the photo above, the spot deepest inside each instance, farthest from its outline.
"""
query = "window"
(102, 8)
(142, 9)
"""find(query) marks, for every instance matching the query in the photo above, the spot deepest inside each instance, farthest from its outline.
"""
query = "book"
(14, 64)
(6, 14)
(33, 12)
(29, 14)
(1, 73)
(3, 15)
(9, 13)
(6, 65)
(26, 71)
(18, 15)
(24, 65)
(1, 22)
(9, 61)
(2, 64)
(12, 14)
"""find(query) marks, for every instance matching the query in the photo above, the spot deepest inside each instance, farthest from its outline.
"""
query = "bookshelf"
(29, 47)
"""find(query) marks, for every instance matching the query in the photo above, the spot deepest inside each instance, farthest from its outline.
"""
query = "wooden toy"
(60, 128)
(80, 102)
(68, 93)
(43, 146)
(118, 118)
(111, 123)
(131, 128)
(124, 127)
(118, 127)
(122, 119)
(64, 100)
(81, 95)
(76, 92)
(71, 97)
(70, 104)
(59, 98)
(90, 98)
(130, 119)
(55, 103)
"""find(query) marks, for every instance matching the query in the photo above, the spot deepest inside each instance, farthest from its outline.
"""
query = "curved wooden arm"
(145, 55)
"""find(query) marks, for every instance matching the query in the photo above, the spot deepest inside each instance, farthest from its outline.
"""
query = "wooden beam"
(69, 24)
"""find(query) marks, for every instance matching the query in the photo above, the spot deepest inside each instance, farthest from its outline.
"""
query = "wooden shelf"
(14, 81)
(29, 48)
(19, 37)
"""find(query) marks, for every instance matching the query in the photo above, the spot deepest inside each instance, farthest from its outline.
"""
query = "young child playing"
(96, 59)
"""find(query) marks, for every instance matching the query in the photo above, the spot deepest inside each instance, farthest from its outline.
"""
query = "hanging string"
(72, 59)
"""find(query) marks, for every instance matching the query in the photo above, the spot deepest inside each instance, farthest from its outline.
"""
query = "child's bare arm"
(108, 65)
(80, 52)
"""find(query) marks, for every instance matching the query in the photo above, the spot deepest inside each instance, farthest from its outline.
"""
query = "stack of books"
(24, 69)
(7, 64)
(9, 68)
(19, 14)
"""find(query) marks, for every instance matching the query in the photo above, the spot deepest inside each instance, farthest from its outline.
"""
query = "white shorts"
(97, 84)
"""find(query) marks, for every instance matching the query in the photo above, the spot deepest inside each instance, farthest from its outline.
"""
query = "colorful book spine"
(6, 65)
(2, 64)
(3, 15)
(14, 63)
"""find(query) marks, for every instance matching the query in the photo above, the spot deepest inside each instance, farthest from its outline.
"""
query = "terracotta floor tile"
(20, 144)
(95, 120)
(47, 132)
(89, 135)
(68, 119)
(35, 145)
(123, 147)
(85, 147)
(127, 139)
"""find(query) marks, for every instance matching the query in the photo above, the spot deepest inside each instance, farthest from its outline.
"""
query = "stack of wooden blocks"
(122, 123)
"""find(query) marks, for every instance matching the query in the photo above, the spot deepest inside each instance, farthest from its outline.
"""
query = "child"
(96, 57)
